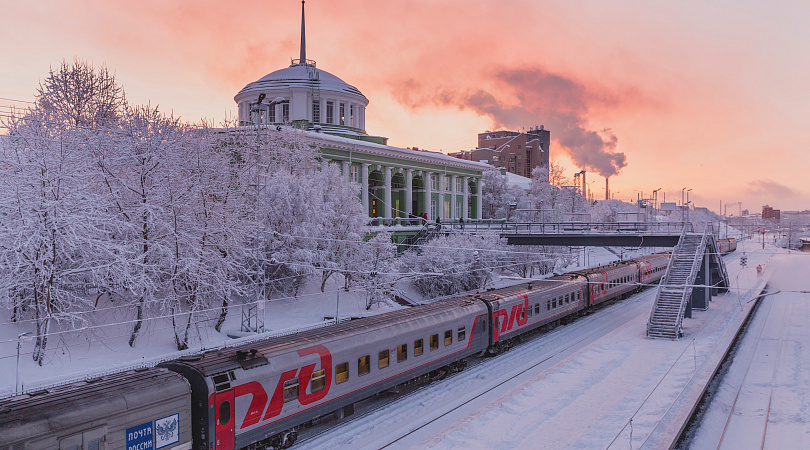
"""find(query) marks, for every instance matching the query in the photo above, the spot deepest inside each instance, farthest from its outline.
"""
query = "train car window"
(341, 372)
(290, 390)
(462, 334)
(548, 305)
(554, 302)
(363, 365)
(530, 311)
(402, 353)
(317, 381)
(418, 347)
(382, 359)
(522, 314)
(94, 444)
(448, 337)
(537, 308)
(434, 342)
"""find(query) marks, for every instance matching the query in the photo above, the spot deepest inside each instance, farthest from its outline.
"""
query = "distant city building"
(770, 213)
(517, 152)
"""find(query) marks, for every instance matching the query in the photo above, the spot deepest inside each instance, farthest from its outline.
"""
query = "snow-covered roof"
(520, 181)
(422, 156)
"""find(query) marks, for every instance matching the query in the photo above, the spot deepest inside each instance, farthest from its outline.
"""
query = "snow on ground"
(596, 383)
(74, 354)
(103, 346)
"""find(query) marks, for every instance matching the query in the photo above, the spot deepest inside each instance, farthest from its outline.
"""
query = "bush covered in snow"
(454, 263)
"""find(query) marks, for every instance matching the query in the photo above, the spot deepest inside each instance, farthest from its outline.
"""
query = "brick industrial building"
(517, 152)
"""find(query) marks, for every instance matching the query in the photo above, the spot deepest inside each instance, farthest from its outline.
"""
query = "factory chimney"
(607, 189)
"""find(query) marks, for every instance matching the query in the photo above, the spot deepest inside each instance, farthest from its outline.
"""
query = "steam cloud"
(533, 96)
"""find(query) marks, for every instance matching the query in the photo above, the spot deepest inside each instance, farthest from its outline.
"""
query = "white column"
(428, 195)
(465, 194)
(479, 204)
(440, 203)
(453, 198)
(346, 170)
(364, 184)
(408, 193)
(388, 192)
(323, 110)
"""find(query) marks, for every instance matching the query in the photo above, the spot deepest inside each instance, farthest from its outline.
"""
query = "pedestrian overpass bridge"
(578, 234)
(696, 269)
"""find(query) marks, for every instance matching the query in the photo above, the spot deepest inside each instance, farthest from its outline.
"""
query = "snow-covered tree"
(497, 195)
(374, 269)
(137, 166)
(53, 226)
(454, 263)
(343, 220)
(546, 190)
(608, 210)
(205, 205)
(80, 95)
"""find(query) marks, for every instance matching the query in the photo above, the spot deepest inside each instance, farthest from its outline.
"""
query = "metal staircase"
(425, 234)
(675, 289)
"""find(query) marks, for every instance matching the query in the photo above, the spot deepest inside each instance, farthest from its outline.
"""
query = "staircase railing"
(666, 276)
(423, 235)
(687, 292)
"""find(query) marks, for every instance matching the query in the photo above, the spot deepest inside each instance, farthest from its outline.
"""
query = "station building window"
(285, 112)
(330, 112)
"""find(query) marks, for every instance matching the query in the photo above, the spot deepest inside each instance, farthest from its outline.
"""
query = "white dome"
(300, 76)
(304, 92)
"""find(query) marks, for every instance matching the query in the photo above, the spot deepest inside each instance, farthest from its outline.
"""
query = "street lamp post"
(17, 379)
(655, 200)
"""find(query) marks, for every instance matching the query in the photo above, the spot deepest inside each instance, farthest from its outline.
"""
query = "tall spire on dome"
(303, 37)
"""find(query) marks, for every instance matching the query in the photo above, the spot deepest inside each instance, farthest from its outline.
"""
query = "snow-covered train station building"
(397, 182)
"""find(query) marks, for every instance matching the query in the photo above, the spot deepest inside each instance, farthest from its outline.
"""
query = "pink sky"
(704, 95)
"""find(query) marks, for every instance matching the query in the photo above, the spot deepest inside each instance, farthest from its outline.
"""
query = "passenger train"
(257, 396)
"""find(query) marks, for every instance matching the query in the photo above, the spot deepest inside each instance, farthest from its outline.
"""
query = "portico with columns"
(400, 183)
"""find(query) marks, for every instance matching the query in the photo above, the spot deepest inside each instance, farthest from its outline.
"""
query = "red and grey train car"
(727, 245)
(522, 308)
(258, 395)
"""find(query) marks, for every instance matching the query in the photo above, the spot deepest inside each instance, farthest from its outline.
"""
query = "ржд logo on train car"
(261, 410)
(507, 320)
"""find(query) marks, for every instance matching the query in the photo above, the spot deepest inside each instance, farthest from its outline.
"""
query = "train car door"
(225, 431)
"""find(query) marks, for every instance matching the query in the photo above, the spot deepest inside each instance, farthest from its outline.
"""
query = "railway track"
(749, 411)
(535, 351)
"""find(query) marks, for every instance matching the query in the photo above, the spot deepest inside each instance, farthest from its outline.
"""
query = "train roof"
(251, 355)
(61, 407)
